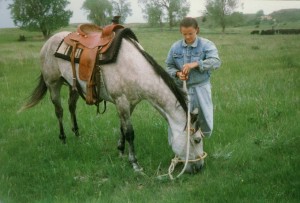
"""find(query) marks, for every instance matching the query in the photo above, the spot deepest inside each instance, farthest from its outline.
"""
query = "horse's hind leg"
(54, 90)
(73, 97)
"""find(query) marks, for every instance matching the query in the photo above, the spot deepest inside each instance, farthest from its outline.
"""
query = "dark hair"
(189, 22)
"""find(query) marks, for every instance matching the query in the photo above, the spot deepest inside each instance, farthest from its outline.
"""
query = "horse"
(135, 76)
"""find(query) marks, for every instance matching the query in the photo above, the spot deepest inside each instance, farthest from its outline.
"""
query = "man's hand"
(188, 66)
(181, 76)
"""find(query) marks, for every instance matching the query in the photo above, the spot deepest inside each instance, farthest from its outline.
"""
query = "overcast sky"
(196, 9)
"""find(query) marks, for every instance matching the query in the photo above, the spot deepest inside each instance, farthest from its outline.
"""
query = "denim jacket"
(203, 51)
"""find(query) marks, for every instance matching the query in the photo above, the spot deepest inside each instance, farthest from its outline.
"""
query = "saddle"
(93, 40)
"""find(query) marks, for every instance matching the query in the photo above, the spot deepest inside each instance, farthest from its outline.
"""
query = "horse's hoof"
(137, 168)
(76, 132)
(121, 148)
(122, 154)
(63, 139)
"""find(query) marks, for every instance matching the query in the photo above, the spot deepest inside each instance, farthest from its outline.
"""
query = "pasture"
(253, 154)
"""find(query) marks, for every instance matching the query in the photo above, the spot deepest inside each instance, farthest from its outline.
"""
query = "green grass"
(253, 154)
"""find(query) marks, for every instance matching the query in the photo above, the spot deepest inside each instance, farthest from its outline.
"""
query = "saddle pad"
(64, 51)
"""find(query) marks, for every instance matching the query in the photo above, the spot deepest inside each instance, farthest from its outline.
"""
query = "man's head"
(189, 29)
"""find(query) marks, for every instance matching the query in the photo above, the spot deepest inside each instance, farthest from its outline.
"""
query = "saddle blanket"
(64, 51)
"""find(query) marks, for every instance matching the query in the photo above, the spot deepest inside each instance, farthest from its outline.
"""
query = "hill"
(286, 15)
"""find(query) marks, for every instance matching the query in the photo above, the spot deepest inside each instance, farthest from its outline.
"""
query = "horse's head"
(195, 151)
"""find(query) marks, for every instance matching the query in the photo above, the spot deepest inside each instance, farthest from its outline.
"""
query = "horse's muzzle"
(194, 167)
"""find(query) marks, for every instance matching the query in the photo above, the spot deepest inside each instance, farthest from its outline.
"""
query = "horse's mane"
(179, 93)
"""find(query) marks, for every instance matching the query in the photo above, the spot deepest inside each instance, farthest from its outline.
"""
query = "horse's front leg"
(121, 143)
(127, 132)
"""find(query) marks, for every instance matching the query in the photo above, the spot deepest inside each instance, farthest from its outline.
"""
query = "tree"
(40, 15)
(258, 16)
(236, 19)
(99, 11)
(174, 10)
(220, 10)
(153, 14)
(121, 8)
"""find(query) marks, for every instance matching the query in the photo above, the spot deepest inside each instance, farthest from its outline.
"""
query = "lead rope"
(175, 160)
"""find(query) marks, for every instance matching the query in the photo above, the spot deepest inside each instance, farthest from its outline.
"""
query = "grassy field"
(253, 154)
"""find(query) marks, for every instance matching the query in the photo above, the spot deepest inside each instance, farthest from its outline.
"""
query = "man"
(192, 59)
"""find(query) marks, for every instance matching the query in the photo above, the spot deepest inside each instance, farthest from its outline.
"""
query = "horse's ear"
(194, 117)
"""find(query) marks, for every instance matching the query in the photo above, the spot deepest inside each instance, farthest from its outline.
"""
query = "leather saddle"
(91, 36)
(93, 40)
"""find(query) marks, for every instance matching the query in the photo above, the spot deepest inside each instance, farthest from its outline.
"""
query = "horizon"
(196, 9)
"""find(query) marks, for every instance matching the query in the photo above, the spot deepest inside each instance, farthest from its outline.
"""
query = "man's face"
(189, 34)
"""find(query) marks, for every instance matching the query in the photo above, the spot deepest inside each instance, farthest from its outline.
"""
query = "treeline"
(259, 19)
(51, 15)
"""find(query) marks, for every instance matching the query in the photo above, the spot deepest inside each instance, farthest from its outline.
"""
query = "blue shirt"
(202, 51)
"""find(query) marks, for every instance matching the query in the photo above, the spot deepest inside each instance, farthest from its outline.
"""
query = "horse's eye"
(197, 140)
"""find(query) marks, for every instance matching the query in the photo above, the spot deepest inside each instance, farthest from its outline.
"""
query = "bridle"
(177, 159)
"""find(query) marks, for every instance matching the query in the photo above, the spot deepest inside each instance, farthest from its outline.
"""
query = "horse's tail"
(36, 96)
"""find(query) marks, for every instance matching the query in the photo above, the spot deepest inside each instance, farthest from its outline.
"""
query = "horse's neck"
(164, 100)
(167, 104)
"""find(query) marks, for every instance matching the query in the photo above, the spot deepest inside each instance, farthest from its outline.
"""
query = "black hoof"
(121, 153)
(63, 139)
(76, 131)
(121, 148)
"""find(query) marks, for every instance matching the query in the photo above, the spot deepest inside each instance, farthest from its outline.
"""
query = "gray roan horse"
(135, 76)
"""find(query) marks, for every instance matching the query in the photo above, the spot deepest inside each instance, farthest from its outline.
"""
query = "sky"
(196, 9)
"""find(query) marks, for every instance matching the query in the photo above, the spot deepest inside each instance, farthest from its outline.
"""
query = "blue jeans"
(201, 102)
